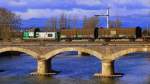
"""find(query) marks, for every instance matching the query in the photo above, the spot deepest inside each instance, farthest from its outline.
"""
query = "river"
(75, 70)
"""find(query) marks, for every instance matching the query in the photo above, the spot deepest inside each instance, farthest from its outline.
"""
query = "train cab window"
(37, 34)
(50, 35)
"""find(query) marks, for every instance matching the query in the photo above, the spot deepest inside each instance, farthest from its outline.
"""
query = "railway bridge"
(107, 53)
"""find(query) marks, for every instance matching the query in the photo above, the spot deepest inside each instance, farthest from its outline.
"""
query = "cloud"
(16, 2)
(136, 3)
(88, 2)
(46, 13)
(30, 2)
(129, 12)
(48, 8)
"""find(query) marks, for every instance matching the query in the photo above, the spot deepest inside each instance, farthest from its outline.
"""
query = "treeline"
(117, 23)
(65, 21)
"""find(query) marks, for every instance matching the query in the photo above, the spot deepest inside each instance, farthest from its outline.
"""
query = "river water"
(75, 70)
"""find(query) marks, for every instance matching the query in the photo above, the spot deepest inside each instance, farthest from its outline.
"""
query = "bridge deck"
(71, 43)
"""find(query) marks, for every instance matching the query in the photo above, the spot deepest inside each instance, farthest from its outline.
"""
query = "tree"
(91, 22)
(69, 22)
(51, 24)
(85, 20)
(9, 23)
(74, 21)
(48, 25)
(118, 23)
(63, 21)
(54, 23)
(115, 24)
(146, 32)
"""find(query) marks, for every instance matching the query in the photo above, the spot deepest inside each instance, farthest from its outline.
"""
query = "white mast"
(107, 18)
(106, 15)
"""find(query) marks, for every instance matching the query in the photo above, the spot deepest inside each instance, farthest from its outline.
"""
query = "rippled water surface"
(75, 70)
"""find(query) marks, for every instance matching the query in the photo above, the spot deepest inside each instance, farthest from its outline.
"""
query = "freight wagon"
(77, 34)
(119, 33)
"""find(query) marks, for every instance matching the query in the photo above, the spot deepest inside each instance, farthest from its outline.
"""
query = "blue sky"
(35, 12)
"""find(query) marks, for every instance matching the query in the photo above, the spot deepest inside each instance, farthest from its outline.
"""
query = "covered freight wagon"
(77, 34)
(119, 33)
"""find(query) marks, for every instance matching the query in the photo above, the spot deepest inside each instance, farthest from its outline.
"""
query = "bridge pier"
(108, 69)
(44, 68)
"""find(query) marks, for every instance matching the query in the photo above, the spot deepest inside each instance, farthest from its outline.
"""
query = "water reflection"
(75, 70)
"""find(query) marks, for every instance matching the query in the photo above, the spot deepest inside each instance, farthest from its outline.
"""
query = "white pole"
(107, 18)
(106, 15)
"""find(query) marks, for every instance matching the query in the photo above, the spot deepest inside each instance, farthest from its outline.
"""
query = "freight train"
(86, 34)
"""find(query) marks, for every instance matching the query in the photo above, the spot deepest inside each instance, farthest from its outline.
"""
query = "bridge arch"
(128, 51)
(18, 49)
(80, 49)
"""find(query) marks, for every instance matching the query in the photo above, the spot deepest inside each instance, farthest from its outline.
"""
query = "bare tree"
(115, 24)
(9, 23)
(146, 32)
(69, 22)
(91, 22)
(74, 21)
(63, 21)
(48, 25)
(94, 22)
(51, 24)
(85, 21)
(111, 24)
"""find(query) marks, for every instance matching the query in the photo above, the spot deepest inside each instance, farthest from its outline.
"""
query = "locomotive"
(86, 34)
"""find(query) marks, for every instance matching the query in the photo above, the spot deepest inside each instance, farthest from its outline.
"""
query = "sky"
(35, 12)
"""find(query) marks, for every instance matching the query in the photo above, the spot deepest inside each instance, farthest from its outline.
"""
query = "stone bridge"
(107, 53)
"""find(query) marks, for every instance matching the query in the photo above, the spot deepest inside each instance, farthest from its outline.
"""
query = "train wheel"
(107, 40)
(132, 40)
(68, 40)
(146, 39)
(91, 40)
